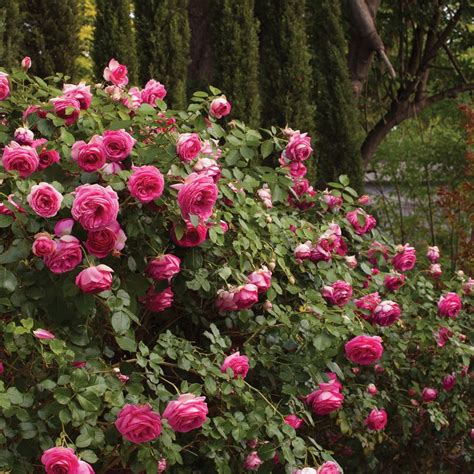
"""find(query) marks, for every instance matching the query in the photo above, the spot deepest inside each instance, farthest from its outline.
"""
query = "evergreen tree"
(236, 56)
(84, 64)
(285, 71)
(338, 130)
(114, 37)
(163, 35)
(11, 33)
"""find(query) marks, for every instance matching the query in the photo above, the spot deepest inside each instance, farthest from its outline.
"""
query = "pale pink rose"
(293, 421)
(43, 245)
(118, 144)
(299, 147)
(252, 461)
(303, 251)
(394, 281)
(43, 334)
(68, 255)
(361, 221)
(89, 156)
(67, 109)
(197, 196)
(156, 302)
(85, 468)
(449, 382)
(23, 159)
(333, 202)
(26, 63)
(192, 237)
(261, 278)
(47, 158)
(376, 420)
(186, 413)
(442, 336)
(45, 200)
(104, 242)
(95, 207)
(162, 465)
(245, 296)
(208, 167)
(112, 168)
(468, 286)
(220, 107)
(60, 461)
(305, 470)
(138, 423)
(116, 93)
(323, 402)
(372, 389)
(449, 305)
(386, 313)
(164, 267)
(95, 279)
(435, 270)
(225, 301)
(238, 363)
(405, 258)
(153, 90)
(329, 467)
(146, 183)
(432, 254)
(134, 99)
(364, 350)
(339, 293)
(351, 261)
(23, 136)
(368, 303)
(429, 394)
(4, 86)
(265, 196)
(63, 227)
(364, 200)
(188, 146)
(80, 92)
(121, 377)
(116, 73)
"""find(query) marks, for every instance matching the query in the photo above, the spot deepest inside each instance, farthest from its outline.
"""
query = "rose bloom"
(339, 293)
(43, 334)
(220, 107)
(375, 251)
(146, 183)
(351, 261)
(364, 350)
(293, 421)
(261, 278)
(23, 136)
(192, 237)
(47, 158)
(449, 382)
(197, 196)
(95, 207)
(138, 423)
(238, 363)
(79, 92)
(101, 243)
(118, 144)
(95, 279)
(4, 86)
(116, 73)
(449, 305)
(432, 254)
(188, 146)
(68, 255)
(112, 168)
(368, 303)
(208, 167)
(435, 270)
(298, 147)
(89, 156)
(364, 200)
(305, 470)
(361, 221)
(333, 202)
(162, 465)
(442, 336)
(186, 413)
(372, 389)
(329, 467)
(429, 394)
(67, 109)
(376, 420)
(153, 90)
(245, 296)
(386, 313)
(164, 267)
(323, 402)
(156, 302)
(394, 281)
(63, 227)
(252, 461)
(23, 159)
(225, 301)
(265, 196)
(405, 258)
(303, 251)
(60, 460)
(134, 98)
(468, 286)
(26, 63)
(43, 245)
(44, 199)
(297, 169)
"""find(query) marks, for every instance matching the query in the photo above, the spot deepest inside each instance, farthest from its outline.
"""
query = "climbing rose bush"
(172, 301)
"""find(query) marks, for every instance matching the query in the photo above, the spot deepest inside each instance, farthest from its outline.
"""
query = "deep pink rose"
(394, 281)
(146, 183)
(45, 200)
(68, 255)
(329, 467)
(192, 237)
(386, 313)
(449, 305)
(186, 413)
(429, 394)
(153, 90)
(188, 146)
(364, 350)
(339, 293)
(138, 423)
(405, 258)
(60, 461)
(4, 86)
(238, 363)
(297, 170)
(164, 267)
(43, 334)
(367, 303)
(225, 301)
(372, 389)
(377, 251)
(245, 296)
(89, 156)
(220, 107)
(298, 148)
(94, 206)
(43, 245)
(80, 92)
(67, 109)
(361, 221)
(63, 227)
(95, 279)
(323, 402)
(197, 196)
(252, 461)
(156, 302)
(162, 465)
(118, 144)
(442, 336)
(261, 278)
(303, 251)
(23, 136)
(23, 159)
(116, 73)
(2, 368)
(376, 420)
(293, 421)
(333, 202)
(47, 158)
(449, 382)
(102, 243)
(332, 384)
(432, 254)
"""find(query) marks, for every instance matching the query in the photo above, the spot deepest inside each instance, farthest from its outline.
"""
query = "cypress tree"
(163, 34)
(114, 37)
(51, 36)
(285, 71)
(11, 33)
(84, 65)
(236, 56)
(338, 130)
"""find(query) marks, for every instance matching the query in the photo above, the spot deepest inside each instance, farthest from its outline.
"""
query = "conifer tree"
(114, 37)
(163, 34)
(338, 130)
(11, 33)
(236, 56)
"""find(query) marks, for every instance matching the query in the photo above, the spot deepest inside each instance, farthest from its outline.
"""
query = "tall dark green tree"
(162, 30)
(114, 37)
(51, 36)
(11, 33)
(236, 56)
(338, 130)
(285, 70)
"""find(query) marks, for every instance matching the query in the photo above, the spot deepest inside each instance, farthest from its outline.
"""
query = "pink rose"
(376, 420)
(372, 389)
(449, 305)
(186, 413)
(332, 384)
(225, 301)
(245, 296)
(261, 278)
(112, 168)
(220, 107)
(323, 402)
(23, 159)
(47, 158)
(197, 196)
(238, 363)
(118, 144)
(429, 394)
(45, 200)
(432, 254)
(339, 293)
(79, 92)
(442, 336)
(85, 468)
(60, 460)
(449, 382)
(43, 245)
(386, 313)
(394, 281)
(368, 303)
(188, 146)
(162, 465)
(146, 183)
(95, 279)
(299, 147)
(43, 334)
(377, 251)
(303, 251)
(26, 63)
(297, 170)
(364, 350)
(192, 237)
(67, 109)
(333, 202)
(134, 99)
(116, 73)
(405, 258)
(468, 286)
(364, 200)
(94, 206)
(305, 470)
(293, 421)
(252, 461)
(4, 86)
(63, 227)
(208, 167)
(2, 368)
(68, 255)
(329, 467)
(361, 221)
(265, 196)
(435, 270)
(23, 136)
(164, 267)
(153, 90)
(138, 423)
(104, 242)
(89, 156)
(156, 302)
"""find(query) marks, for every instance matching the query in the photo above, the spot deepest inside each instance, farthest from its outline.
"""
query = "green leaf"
(266, 148)
(120, 322)
(89, 401)
(19, 250)
(62, 395)
(8, 280)
(344, 180)
(127, 343)
(66, 137)
(194, 219)
(5, 221)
